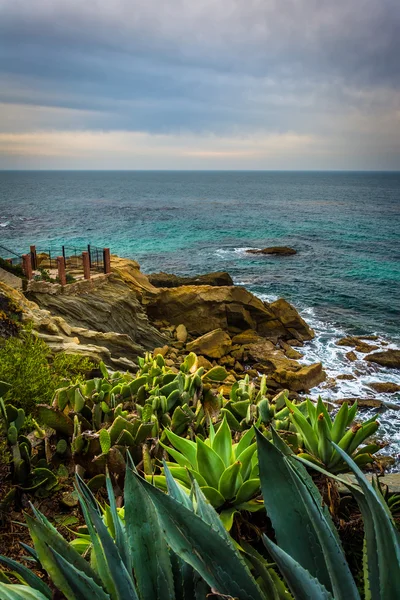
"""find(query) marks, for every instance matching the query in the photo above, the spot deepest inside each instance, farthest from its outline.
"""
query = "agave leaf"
(117, 580)
(321, 408)
(178, 456)
(245, 458)
(19, 592)
(190, 537)
(247, 490)
(120, 534)
(186, 447)
(222, 443)
(209, 463)
(147, 543)
(213, 496)
(27, 575)
(45, 539)
(227, 516)
(208, 513)
(382, 539)
(174, 490)
(340, 423)
(301, 526)
(81, 585)
(216, 374)
(301, 583)
(232, 421)
(244, 442)
(230, 481)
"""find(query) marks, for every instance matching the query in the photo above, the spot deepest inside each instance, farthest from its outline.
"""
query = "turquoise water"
(345, 227)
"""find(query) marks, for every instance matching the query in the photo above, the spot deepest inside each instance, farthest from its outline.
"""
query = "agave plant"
(226, 472)
(173, 546)
(318, 430)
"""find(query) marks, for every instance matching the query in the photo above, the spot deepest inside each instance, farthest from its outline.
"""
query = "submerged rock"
(386, 358)
(385, 387)
(278, 250)
(169, 280)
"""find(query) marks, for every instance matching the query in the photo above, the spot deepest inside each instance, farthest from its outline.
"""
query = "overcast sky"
(200, 84)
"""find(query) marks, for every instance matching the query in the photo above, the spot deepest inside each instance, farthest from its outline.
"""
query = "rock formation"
(277, 250)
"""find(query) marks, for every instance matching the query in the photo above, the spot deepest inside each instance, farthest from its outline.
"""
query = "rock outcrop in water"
(386, 358)
(168, 280)
(274, 250)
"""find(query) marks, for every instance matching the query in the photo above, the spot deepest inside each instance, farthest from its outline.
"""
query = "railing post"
(64, 257)
(33, 257)
(61, 270)
(90, 255)
(27, 266)
(107, 260)
(86, 265)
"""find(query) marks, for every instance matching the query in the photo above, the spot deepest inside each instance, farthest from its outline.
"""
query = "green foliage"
(14, 269)
(226, 472)
(318, 431)
(170, 546)
(28, 472)
(26, 364)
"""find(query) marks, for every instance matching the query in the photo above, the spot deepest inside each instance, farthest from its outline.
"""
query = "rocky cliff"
(118, 317)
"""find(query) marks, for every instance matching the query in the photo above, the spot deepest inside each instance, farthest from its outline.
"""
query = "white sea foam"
(4, 223)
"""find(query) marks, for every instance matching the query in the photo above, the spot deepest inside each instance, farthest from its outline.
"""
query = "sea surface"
(345, 226)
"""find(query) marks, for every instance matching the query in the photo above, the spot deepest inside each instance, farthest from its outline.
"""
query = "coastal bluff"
(122, 315)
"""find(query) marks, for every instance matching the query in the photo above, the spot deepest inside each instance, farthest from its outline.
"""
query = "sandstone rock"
(214, 344)
(302, 379)
(181, 333)
(260, 351)
(168, 280)
(385, 387)
(290, 318)
(352, 356)
(289, 351)
(278, 250)
(364, 348)
(246, 337)
(111, 307)
(362, 402)
(233, 309)
(119, 344)
(387, 358)
(346, 377)
(202, 361)
(238, 367)
(163, 351)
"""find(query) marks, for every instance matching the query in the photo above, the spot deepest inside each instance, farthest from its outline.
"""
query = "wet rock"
(362, 402)
(364, 348)
(352, 356)
(387, 358)
(181, 333)
(275, 250)
(289, 351)
(214, 344)
(346, 377)
(385, 387)
(357, 343)
(167, 280)
(302, 379)
(292, 321)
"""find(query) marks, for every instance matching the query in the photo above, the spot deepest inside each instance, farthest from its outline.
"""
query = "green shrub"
(27, 364)
(14, 269)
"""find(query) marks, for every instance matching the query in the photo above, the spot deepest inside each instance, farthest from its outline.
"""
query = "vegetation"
(27, 364)
(172, 545)
(14, 269)
(199, 474)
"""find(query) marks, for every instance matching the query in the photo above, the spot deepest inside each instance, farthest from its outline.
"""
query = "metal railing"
(10, 255)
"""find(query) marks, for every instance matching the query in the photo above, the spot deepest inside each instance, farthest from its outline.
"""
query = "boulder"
(167, 280)
(181, 333)
(302, 379)
(214, 344)
(351, 356)
(386, 358)
(357, 343)
(277, 250)
(231, 308)
(385, 387)
(246, 337)
(261, 351)
(291, 320)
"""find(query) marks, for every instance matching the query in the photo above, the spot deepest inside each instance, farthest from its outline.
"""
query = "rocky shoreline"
(118, 317)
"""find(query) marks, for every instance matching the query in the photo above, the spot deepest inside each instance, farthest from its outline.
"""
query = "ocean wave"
(4, 224)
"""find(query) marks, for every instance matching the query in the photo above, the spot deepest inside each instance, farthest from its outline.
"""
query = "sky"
(200, 84)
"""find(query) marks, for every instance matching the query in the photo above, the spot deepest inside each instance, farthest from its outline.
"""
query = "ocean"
(345, 226)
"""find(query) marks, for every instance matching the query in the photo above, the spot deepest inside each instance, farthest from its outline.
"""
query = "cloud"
(232, 69)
